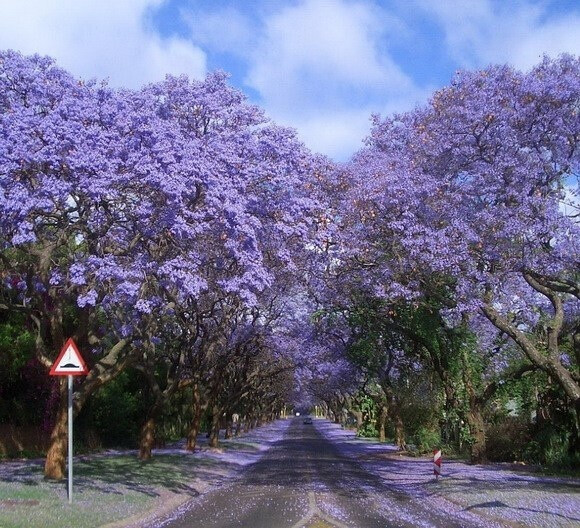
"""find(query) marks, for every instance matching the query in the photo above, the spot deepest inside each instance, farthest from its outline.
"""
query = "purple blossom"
(87, 299)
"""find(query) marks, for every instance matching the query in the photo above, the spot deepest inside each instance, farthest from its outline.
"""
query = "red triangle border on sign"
(84, 369)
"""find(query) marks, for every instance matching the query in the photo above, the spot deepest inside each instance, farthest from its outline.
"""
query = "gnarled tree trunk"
(399, 429)
(237, 424)
(474, 415)
(147, 439)
(102, 372)
(359, 419)
(55, 463)
(477, 429)
(147, 436)
(215, 426)
(382, 421)
(229, 426)
(197, 408)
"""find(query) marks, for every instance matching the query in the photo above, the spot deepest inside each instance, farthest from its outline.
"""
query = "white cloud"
(336, 134)
(321, 66)
(223, 30)
(102, 39)
(481, 32)
(340, 131)
(323, 52)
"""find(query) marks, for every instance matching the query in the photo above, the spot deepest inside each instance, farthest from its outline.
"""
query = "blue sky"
(320, 66)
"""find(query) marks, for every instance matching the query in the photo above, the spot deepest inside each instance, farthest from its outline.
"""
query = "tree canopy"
(177, 233)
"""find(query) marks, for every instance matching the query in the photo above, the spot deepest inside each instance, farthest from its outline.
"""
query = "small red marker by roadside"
(437, 463)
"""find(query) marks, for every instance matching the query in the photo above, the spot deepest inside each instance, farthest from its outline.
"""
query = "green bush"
(427, 439)
(116, 411)
(24, 383)
(506, 441)
(551, 447)
(367, 430)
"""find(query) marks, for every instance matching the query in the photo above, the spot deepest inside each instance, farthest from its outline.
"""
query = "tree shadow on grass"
(29, 473)
(112, 474)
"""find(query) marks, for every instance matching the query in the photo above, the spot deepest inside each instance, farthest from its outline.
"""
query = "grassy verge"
(106, 489)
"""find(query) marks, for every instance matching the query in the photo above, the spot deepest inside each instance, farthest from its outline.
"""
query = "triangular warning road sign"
(69, 362)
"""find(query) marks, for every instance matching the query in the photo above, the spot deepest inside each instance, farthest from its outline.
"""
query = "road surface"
(304, 481)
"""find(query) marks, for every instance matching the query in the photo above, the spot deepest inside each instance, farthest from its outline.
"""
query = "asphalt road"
(304, 481)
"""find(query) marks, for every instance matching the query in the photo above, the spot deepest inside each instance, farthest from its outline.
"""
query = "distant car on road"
(307, 420)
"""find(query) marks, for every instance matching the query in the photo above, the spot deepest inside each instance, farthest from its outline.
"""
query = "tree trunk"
(382, 421)
(55, 463)
(238, 427)
(359, 419)
(102, 372)
(449, 423)
(147, 439)
(147, 436)
(214, 431)
(394, 408)
(474, 415)
(229, 427)
(336, 412)
(196, 419)
(575, 441)
(399, 429)
(477, 429)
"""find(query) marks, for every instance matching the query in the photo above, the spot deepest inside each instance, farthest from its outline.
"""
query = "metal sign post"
(70, 438)
(69, 363)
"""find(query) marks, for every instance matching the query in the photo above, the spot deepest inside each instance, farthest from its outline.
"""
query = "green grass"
(105, 489)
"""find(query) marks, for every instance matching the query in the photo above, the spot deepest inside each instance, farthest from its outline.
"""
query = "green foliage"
(16, 345)
(177, 417)
(507, 440)
(368, 408)
(427, 439)
(116, 411)
(543, 428)
(23, 453)
(368, 430)
(24, 385)
(420, 422)
(551, 447)
(435, 353)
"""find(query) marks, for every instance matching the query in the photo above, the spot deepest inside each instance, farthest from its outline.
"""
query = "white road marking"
(314, 511)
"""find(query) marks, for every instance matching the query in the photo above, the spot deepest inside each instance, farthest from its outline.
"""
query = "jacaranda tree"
(119, 206)
(462, 199)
